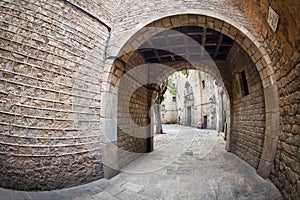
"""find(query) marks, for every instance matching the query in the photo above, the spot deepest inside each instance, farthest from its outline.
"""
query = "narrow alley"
(187, 163)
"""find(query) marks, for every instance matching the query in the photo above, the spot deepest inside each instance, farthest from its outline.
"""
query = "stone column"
(272, 129)
(109, 146)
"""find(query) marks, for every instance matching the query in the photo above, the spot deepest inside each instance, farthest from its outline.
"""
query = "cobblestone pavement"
(186, 163)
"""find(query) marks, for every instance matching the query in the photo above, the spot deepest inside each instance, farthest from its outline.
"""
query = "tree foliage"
(172, 89)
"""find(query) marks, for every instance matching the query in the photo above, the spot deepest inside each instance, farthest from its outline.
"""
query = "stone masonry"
(133, 103)
(284, 50)
(50, 95)
(62, 64)
(248, 112)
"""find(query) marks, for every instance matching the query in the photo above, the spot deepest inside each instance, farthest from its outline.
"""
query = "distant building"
(198, 102)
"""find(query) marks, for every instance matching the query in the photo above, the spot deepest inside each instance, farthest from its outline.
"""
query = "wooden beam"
(156, 55)
(171, 48)
(186, 44)
(203, 41)
(154, 50)
(218, 45)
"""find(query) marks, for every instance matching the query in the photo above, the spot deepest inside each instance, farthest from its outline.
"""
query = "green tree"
(171, 88)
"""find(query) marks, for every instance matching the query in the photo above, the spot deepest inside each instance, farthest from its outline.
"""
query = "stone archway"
(242, 35)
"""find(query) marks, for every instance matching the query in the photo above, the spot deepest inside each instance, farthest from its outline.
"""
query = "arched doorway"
(127, 57)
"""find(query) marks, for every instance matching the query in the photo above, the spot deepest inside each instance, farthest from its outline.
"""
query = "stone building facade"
(68, 117)
(198, 102)
(169, 109)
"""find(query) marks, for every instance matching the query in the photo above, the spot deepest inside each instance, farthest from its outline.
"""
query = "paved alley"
(186, 163)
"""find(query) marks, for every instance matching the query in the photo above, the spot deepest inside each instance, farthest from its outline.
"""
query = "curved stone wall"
(51, 62)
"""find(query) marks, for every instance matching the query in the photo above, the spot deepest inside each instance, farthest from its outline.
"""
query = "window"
(203, 84)
(244, 83)
(174, 98)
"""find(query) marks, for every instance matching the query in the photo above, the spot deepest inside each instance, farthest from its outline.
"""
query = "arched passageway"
(62, 63)
(230, 54)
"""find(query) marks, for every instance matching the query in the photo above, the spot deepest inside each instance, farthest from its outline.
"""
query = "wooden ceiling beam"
(167, 39)
(157, 56)
(220, 38)
(186, 43)
(203, 42)
(211, 40)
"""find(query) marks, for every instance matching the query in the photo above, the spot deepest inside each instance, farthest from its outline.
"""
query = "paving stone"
(81, 192)
(132, 187)
(129, 195)
(114, 190)
(92, 189)
(16, 196)
(104, 196)
(188, 153)
(151, 192)
(155, 178)
(48, 195)
(119, 180)
(102, 183)
(58, 194)
(83, 197)
(6, 194)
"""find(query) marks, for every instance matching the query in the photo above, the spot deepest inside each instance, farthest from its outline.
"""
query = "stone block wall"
(103, 10)
(133, 109)
(132, 133)
(51, 59)
(284, 50)
(247, 112)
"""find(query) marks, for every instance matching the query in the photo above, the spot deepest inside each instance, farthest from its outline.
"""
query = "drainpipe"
(87, 13)
(82, 10)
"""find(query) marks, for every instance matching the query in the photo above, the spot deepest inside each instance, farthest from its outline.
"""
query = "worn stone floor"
(187, 163)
